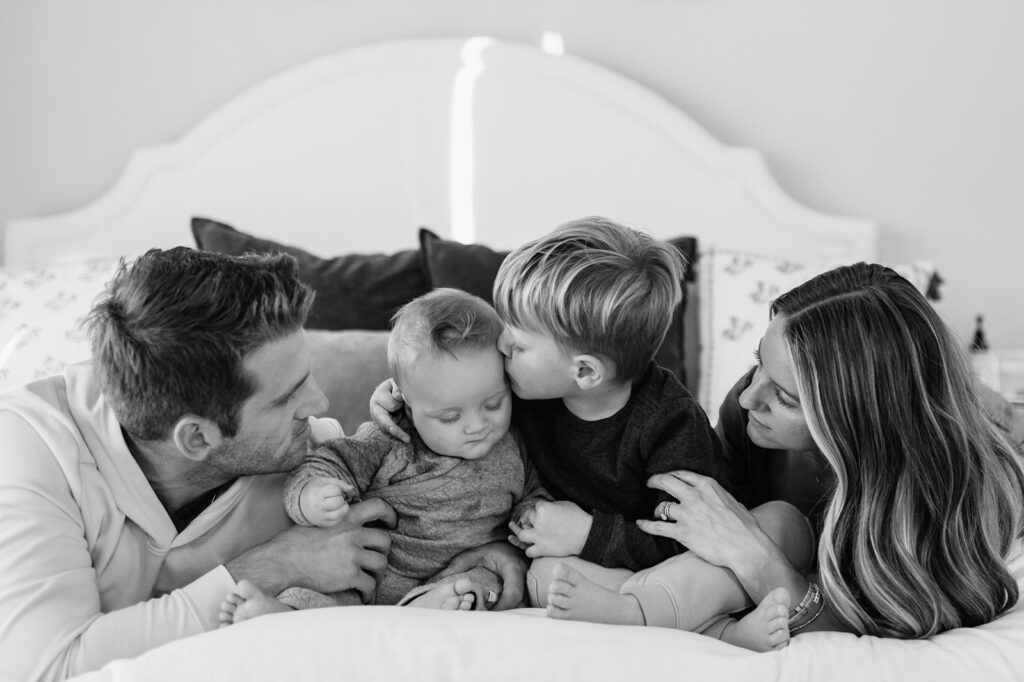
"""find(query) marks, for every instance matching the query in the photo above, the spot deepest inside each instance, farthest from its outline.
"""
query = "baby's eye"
(449, 419)
(496, 405)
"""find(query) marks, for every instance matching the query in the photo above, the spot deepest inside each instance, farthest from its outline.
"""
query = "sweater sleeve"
(353, 459)
(53, 624)
(679, 436)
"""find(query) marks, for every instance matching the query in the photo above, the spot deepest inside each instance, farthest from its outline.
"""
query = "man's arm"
(343, 557)
(76, 594)
(56, 623)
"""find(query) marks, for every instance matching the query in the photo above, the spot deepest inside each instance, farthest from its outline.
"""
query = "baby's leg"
(687, 593)
(248, 601)
(763, 629)
(573, 596)
(542, 575)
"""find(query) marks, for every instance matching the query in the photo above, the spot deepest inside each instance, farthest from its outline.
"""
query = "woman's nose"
(752, 397)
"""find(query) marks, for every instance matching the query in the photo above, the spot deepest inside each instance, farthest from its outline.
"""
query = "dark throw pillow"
(354, 291)
(473, 267)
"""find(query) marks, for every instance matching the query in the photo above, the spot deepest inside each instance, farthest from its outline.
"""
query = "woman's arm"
(718, 529)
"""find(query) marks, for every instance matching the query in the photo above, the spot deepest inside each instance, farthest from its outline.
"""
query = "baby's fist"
(324, 501)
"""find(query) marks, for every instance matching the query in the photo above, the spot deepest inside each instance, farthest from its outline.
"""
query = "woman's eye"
(757, 357)
(782, 399)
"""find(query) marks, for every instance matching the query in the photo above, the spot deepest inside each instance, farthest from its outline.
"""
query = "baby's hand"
(324, 501)
(551, 529)
(519, 522)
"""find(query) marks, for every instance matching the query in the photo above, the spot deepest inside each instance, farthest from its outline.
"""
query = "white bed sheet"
(390, 643)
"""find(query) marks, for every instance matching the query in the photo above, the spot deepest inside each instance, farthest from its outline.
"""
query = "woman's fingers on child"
(665, 529)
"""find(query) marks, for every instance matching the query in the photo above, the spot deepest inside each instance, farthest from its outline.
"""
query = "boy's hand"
(324, 501)
(552, 529)
(386, 399)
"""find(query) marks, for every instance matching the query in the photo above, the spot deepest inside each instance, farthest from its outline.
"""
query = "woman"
(921, 502)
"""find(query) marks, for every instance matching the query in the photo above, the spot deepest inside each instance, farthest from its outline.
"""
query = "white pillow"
(41, 314)
(736, 289)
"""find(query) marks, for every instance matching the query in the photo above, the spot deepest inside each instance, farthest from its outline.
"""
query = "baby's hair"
(442, 322)
(597, 287)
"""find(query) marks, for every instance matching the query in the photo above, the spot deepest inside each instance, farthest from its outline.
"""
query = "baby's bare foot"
(571, 596)
(766, 627)
(456, 595)
(247, 601)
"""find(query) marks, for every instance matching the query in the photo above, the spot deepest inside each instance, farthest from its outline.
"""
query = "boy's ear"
(590, 371)
(196, 437)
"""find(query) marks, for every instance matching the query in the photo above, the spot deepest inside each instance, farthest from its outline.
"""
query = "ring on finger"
(662, 510)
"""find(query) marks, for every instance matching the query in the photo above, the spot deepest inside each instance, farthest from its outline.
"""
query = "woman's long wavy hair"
(928, 496)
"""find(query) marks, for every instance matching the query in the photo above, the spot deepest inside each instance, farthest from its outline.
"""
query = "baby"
(453, 486)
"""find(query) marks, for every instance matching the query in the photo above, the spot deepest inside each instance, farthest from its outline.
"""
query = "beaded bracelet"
(802, 615)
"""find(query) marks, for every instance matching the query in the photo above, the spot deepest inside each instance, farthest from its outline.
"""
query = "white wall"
(907, 112)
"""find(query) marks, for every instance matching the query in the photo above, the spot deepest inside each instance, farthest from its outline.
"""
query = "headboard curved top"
(479, 139)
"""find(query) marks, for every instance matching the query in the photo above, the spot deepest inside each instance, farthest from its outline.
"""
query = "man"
(137, 490)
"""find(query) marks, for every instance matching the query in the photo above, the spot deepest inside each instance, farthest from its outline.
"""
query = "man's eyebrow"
(283, 397)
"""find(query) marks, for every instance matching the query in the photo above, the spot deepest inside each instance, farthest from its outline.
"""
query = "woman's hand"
(386, 399)
(706, 519)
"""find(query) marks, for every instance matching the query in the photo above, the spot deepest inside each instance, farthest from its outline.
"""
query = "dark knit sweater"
(603, 465)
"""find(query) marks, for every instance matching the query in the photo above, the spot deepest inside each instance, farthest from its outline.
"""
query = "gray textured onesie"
(445, 505)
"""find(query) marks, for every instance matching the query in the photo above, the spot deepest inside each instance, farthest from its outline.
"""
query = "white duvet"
(393, 643)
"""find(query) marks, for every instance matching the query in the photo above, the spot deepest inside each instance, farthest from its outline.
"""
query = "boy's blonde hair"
(597, 287)
(443, 321)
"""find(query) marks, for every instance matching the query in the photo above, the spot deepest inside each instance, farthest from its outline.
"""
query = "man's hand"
(501, 559)
(347, 556)
(552, 529)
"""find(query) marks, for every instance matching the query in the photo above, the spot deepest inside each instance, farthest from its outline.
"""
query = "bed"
(393, 168)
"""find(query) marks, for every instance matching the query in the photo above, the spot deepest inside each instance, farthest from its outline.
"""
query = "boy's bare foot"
(247, 601)
(766, 627)
(456, 595)
(571, 596)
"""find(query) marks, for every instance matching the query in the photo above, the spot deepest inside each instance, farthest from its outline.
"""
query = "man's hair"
(596, 287)
(171, 332)
(441, 322)
(929, 493)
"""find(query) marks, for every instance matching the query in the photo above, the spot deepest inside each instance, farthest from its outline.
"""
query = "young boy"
(453, 486)
(585, 309)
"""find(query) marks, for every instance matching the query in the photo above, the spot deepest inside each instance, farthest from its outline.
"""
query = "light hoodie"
(91, 567)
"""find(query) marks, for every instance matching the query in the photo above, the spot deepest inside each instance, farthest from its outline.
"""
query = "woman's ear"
(590, 371)
(196, 437)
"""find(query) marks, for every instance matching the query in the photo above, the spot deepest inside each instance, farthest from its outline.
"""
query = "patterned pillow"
(736, 289)
(41, 315)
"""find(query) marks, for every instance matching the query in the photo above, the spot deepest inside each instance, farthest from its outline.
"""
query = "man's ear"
(196, 437)
(590, 371)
